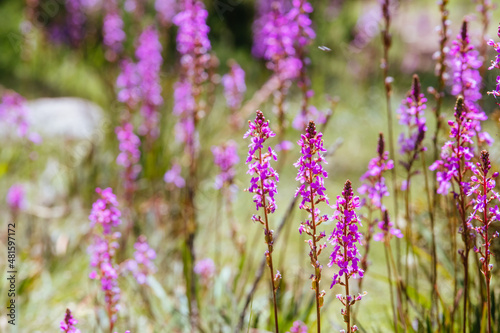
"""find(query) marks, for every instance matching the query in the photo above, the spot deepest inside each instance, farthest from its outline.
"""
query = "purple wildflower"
(129, 154)
(411, 115)
(298, 327)
(311, 176)
(128, 84)
(374, 182)
(16, 198)
(388, 230)
(149, 58)
(105, 211)
(173, 176)
(68, 324)
(260, 166)
(193, 45)
(205, 268)
(142, 264)
(225, 157)
(455, 154)
(166, 10)
(496, 64)
(466, 81)
(103, 250)
(482, 191)
(13, 111)
(345, 254)
(234, 86)
(75, 21)
(113, 34)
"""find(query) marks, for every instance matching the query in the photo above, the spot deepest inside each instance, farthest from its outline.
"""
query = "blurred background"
(72, 104)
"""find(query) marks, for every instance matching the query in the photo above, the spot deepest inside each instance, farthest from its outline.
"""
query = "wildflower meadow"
(250, 166)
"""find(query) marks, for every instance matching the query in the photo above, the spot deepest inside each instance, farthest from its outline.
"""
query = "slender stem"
(389, 276)
(317, 273)
(269, 248)
(486, 262)
(348, 305)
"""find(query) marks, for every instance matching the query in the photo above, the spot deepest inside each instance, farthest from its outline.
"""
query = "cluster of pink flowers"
(346, 237)
(105, 212)
(311, 176)
(466, 81)
(129, 154)
(411, 115)
(482, 191)
(259, 164)
(68, 324)
(387, 228)
(194, 46)
(128, 84)
(166, 10)
(15, 198)
(142, 264)
(455, 153)
(140, 83)
(225, 157)
(149, 58)
(205, 269)
(234, 86)
(173, 176)
(374, 182)
(298, 327)
(13, 112)
(112, 29)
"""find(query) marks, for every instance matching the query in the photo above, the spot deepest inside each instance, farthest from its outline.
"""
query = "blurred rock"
(69, 118)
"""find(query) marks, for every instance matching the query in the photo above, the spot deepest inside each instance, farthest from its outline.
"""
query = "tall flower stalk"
(411, 115)
(386, 44)
(312, 176)
(466, 81)
(495, 64)
(68, 323)
(452, 169)
(263, 185)
(483, 195)
(345, 240)
(105, 215)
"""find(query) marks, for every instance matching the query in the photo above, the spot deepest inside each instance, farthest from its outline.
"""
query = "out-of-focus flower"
(205, 268)
(142, 264)
(173, 176)
(149, 62)
(16, 197)
(166, 10)
(113, 34)
(105, 211)
(496, 64)
(129, 154)
(127, 84)
(225, 157)
(465, 63)
(13, 112)
(234, 86)
(298, 327)
(68, 324)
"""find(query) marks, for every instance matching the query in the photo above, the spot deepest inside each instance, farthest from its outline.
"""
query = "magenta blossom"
(130, 154)
(127, 84)
(298, 327)
(388, 230)
(234, 86)
(142, 264)
(166, 10)
(205, 268)
(465, 63)
(263, 184)
(13, 112)
(113, 34)
(345, 238)
(173, 176)
(68, 324)
(496, 64)
(225, 157)
(105, 211)
(16, 197)
(456, 153)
